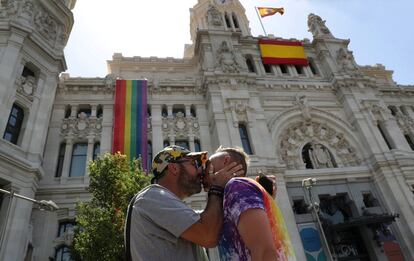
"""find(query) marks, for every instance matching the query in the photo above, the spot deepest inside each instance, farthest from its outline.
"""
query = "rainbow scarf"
(130, 119)
(281, 237)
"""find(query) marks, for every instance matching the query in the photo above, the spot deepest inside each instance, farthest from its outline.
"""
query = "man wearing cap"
(162, 227)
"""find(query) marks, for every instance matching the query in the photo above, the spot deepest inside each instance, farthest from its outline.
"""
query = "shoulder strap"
(128, 230)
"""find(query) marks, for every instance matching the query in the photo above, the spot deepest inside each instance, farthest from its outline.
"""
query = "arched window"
(182, 143)
(68, 111)
(226, 17)
(96, 150)
(62, 253)
(84, 109)
(61, 157)
(166, 143)
(267, 68)
(193, 111)
(385, 135)
(312, 66)
(164, 111)
(299, 69)
(149, 155)
(148, 110)
(14, 124)
(197, 146)
(284, 68)
(78, 162)
(235, 21)
(66, 227)
(410, 141)
(178, 109)
(99, 111)
(244, 136)
(250, 64)
(317, 156)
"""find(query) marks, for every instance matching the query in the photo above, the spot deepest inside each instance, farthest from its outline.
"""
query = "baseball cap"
(172, 154)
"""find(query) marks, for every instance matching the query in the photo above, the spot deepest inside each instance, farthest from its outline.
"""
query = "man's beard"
(189, 184)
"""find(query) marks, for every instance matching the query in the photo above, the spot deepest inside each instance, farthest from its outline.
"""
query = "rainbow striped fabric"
(130, 119)
(282, 52)
(242, 194)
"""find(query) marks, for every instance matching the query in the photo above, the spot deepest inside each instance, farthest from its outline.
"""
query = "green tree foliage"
(100, 222)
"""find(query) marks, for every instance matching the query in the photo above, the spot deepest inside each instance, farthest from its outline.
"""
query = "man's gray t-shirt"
(157, 222)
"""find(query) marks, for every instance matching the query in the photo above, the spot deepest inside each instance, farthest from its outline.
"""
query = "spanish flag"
(130, 119)
(282, 52)
(267, 11)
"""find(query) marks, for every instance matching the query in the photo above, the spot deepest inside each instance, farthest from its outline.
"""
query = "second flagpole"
(260, 19)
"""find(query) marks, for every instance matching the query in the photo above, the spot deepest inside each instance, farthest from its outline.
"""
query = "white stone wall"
(339, 106)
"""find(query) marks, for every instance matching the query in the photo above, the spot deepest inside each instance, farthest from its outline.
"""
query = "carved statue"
(226, 59)
(28, 84)
(317, 26)
(320, 157)
(346, 60)
(214, 16)
(303, 104)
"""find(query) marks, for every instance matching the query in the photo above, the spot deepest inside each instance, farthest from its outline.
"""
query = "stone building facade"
(349, 126)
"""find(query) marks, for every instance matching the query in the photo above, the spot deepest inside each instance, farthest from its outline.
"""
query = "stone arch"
(291, 132)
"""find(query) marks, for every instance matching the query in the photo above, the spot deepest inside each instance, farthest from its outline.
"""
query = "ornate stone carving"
(239, 109)
(46, 25)
(82, 127)
(26, 86)
(303, 104)
(214, 16)
(109, 82)
(180, 126)
(226, 59)
(317, 27)
(298, 134)
(27, 10)
(320, 156)
(346, 61)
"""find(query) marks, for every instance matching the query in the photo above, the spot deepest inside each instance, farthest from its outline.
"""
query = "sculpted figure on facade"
(345, 60)
(303, 104)
(27, 10)
(320, 156)
(317, 27)
(214, 16)
(47, 25)
(226, 59)
(28, 84)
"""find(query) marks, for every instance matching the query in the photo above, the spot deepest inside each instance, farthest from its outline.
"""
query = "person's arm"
(254, 228)
(206, 231)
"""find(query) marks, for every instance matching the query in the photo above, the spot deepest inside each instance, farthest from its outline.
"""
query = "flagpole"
(260, 19)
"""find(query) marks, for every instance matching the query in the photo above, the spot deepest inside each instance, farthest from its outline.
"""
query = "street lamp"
(48, 205)
(307, 184)
(43, 204)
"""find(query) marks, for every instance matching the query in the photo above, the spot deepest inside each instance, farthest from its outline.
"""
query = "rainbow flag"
(130, 119)
(282, 52)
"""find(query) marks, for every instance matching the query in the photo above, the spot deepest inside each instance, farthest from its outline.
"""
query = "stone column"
(17, 226)
(156, 123)
(191, 142)
(67, 160)
(89, 155)
(170, 111)
(107, 128)
(74, 111)
(396, 135)
(93, 110)
(187, 111)
(10, 59)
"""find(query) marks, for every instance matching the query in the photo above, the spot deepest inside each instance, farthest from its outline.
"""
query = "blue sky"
(380, 31)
